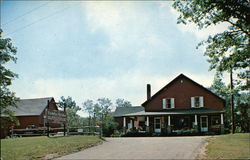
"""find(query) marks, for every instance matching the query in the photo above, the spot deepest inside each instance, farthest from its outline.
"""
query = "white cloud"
(130, 86)
(126, 24)
(130, 31)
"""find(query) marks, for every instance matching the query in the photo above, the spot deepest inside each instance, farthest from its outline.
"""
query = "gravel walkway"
(143, 148)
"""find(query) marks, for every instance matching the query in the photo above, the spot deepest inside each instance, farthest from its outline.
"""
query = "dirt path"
(144, 148)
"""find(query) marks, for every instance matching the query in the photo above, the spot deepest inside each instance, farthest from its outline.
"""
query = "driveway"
(143, 148)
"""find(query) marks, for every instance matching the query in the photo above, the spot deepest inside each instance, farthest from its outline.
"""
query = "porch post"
(147, 124)
(221, 124)
(132, 124)
(195, 123)
(169, 126)
(124, 125)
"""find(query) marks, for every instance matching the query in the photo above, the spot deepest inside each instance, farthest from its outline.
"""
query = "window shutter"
(164, 103)
(201, 102)
(192, 101)
(172, 103)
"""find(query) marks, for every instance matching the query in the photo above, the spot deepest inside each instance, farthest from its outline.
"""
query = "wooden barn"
(32, 113)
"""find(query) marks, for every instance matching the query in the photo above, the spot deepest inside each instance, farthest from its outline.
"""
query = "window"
(197, 102)
(168, 103)
(157, 123)
(215, 120)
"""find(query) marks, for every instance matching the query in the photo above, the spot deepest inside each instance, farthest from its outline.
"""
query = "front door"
(204, 123)
(157, 124)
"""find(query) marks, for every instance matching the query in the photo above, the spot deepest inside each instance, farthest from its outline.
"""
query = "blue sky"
(89, 50)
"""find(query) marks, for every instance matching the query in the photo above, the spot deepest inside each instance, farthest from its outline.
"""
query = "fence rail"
(42, 131)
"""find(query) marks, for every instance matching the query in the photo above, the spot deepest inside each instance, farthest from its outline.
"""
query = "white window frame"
(200, 101)
(166, 105)
(157, 130)
(204, 129)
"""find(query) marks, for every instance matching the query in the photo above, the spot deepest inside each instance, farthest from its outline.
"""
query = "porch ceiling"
(174, 112)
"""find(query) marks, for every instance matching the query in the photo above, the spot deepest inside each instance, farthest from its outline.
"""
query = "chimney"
(148, 91)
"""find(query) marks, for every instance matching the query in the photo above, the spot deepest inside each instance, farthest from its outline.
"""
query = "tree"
(7, 97)
(241, 100)
(230, 49)
(220, 89)
(105, 105)
(122, 103)
(242, 117)
(109, 125)
(73, 119)
(89, 107)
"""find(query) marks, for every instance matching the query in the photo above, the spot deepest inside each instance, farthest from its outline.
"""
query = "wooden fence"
(42, 131)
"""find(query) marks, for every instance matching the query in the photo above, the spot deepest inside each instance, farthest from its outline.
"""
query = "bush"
(109, 126)
(137, 134)
(117, 133)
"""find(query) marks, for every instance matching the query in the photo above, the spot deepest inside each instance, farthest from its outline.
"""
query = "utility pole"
(94, 123)
(232, 100)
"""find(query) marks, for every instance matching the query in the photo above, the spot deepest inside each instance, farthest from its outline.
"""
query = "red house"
(32, 112)
(181, 106)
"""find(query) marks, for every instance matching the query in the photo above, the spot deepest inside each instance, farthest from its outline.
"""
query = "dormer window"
(168, 103)
(197, 102)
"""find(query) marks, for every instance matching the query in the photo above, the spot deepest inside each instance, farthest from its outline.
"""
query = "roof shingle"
(30, 107)
(120, 111)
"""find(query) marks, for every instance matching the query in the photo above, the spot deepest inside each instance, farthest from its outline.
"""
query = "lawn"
(231, 146)
(44, 147)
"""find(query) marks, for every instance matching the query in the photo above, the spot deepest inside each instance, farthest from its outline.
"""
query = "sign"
(56, 116)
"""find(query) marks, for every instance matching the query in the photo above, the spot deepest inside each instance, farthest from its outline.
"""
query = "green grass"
(231, 146)
(39, 147)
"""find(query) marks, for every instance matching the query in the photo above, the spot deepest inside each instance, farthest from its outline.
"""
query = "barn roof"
(31, 107)
(121, 111)
(172, 82)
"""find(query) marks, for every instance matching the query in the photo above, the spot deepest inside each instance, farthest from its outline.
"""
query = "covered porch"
(175, 122)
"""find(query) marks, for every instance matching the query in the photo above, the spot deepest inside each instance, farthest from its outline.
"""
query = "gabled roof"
(170, 83)
(120, 111)
(30, 107)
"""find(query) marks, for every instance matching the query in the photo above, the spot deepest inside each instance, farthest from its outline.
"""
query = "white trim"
(201, 101)
(157, 130)
(169, 123)
(147, 122)
(195, 119)
(130, 124)
(204, 129)
(172, 103)
(124, 122)
(221, 119)
(164, 103)
(192, 102)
